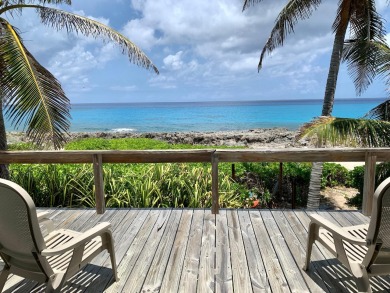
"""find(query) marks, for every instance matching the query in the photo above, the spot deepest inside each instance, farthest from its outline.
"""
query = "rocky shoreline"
(253, 138)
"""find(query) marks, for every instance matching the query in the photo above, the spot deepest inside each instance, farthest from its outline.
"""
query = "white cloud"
(224, 43)
(174, 62)
(140, 34)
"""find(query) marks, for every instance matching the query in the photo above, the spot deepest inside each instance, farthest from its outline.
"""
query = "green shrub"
(334, 175)
(261, 179)
(356, 180)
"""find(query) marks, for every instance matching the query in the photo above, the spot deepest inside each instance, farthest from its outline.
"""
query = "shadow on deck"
(174, 250)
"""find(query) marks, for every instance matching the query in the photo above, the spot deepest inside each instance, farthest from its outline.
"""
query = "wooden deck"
(171, 250)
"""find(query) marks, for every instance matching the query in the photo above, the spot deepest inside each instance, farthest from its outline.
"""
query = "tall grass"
(126, 185)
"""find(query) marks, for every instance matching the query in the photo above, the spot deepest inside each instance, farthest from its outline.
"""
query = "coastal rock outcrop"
(253, 138)
(272, 137)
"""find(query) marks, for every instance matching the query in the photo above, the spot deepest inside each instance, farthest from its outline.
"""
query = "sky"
(205, 51)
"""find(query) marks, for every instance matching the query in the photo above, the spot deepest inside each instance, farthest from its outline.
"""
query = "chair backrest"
(379, 228)
(21, 239)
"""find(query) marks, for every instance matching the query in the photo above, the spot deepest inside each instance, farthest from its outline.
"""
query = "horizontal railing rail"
(213, 156)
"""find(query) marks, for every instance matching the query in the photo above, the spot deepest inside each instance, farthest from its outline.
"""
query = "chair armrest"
(83, 238)
(42, 215)
(336, 230)
(45, 223)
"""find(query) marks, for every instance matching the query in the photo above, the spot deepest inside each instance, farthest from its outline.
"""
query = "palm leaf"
(364, 51)
(32, 96)
(347, 131)
(59, 19)
(380, 112)
(248, 3)
(23, 2)
(294, 11)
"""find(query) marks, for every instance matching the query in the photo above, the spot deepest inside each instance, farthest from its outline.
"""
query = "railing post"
(99, 186)
(369, 184)
(214, 184)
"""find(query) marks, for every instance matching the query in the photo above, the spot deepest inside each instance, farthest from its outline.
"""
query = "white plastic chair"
(364, 249)
(52, 259)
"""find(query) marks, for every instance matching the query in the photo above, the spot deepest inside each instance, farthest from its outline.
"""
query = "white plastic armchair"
(364, 249)
(52, 259)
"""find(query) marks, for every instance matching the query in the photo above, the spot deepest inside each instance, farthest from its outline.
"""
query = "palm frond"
(384, 67)
(364, 60)
(380, 112)
(23, 2)
(343, 16)
(248, 3)
(59, 19)
(347, 131)
(33, 97)
(364, 51)
(294, 11)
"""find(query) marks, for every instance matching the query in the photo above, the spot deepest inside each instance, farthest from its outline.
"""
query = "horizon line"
(236, 101)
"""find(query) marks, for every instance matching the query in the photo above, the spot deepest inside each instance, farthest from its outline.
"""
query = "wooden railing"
(98, 158)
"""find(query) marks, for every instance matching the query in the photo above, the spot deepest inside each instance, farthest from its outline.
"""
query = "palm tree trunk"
(313, 200)
(334, 67)
(4, 172)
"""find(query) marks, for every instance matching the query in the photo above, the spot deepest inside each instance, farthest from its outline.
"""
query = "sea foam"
(123, 130)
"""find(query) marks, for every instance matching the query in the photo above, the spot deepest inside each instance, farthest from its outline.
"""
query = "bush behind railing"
(168, 185)
(127, 185)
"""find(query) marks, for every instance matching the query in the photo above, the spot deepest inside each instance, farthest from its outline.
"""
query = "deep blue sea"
(207, 116)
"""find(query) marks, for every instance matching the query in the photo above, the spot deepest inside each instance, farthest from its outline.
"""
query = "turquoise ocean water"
(206, 116)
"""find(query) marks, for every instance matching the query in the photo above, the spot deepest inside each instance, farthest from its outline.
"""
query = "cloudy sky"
(205, 51)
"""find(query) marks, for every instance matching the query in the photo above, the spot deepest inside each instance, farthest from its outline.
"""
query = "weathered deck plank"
(159, 265)
(223, 267)
(241, 278)
(169, 281)
(289, 266)
(313, 280)
(136, 279)
(206, 279)
(256, 267)
(169, 250)
(275, 274)
(189, 275)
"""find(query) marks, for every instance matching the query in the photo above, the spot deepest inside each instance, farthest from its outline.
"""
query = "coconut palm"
(29, 94)
(361, 52)
(371, 130)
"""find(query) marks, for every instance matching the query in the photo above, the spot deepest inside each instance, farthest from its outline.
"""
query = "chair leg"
(111, 251)
(3, 277)
(363, 283)
(55, 283)
(310, 241)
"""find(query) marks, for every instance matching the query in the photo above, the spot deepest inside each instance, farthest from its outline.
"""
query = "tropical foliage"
(32, 96)
(348, 131)
(365, 51)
